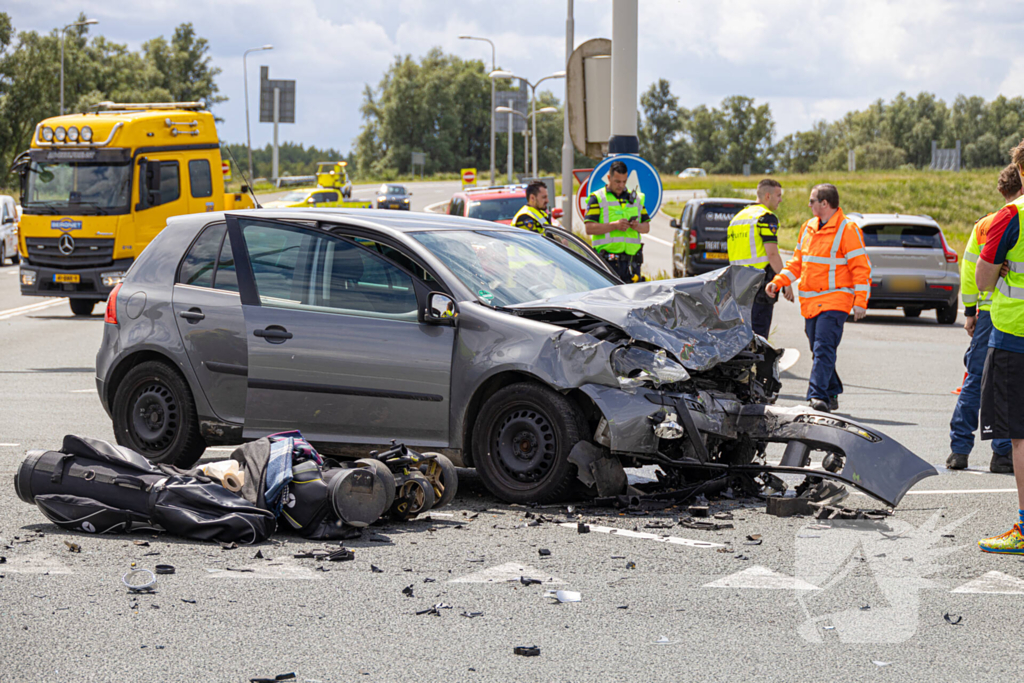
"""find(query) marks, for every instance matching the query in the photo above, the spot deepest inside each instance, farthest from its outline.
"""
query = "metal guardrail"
(287, 181)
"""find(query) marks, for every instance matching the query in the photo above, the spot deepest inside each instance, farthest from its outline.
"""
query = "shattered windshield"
(508, 268)
(80, 188)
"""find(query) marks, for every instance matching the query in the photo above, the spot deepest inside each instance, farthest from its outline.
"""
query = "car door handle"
(275, 334)
(193, 315)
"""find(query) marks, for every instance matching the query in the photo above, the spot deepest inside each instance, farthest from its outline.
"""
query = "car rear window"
(503, 209)
(913, 236)
(716, 215)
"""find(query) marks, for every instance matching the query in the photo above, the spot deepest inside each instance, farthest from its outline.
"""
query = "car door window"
(199, 179)
(199, 263)
(329, 196)
(170, 183)
(225, 278)
(398, 257)
(307, 270)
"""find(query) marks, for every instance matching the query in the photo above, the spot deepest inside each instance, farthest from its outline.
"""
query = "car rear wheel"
(15, 258)
(946, 314)
(154, 414)
(82, 306)
(912, 312)
(521, 443)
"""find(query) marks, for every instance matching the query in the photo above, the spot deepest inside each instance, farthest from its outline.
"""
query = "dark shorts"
(1002, 395)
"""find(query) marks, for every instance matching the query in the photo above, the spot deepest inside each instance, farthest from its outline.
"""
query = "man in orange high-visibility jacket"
(835, 278)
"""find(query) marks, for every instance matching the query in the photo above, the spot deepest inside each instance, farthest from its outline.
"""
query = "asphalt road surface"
(813, 601)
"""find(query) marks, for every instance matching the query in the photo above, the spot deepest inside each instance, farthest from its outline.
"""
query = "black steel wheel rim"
(155, 416)
(524, 444)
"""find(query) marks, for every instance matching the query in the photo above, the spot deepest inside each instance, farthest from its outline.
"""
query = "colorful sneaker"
(1011, 543)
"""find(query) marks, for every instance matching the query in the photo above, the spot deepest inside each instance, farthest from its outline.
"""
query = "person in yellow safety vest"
(754, 243)
(1000, 269)
(979, 326)
(533, 215)
(615, 218)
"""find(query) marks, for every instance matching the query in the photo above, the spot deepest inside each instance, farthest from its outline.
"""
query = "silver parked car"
(912, 267)
(518, 353)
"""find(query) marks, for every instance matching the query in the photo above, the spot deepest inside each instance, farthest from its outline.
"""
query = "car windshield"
(295, 197)
(392, 189)
(500, 209)
(509, 268)
(922, 236)
(78, 187)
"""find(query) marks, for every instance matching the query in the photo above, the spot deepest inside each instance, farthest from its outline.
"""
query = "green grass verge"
(955, 200)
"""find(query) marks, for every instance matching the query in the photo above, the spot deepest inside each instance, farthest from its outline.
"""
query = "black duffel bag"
(96, 487)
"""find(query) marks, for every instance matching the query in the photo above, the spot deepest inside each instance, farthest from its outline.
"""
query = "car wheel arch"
(125, 364)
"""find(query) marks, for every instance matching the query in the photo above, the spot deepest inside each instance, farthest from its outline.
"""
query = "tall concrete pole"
(567, 150)
(623, 138)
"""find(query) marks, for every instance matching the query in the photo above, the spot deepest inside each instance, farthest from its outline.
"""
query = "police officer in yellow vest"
(534, 214)
(754, 243)
(615, 219)
(1000, 269)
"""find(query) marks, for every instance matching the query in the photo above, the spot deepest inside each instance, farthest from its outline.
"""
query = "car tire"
(545, 425)
(154, 415)
(912, 312)
(946, 314)
(82, 306)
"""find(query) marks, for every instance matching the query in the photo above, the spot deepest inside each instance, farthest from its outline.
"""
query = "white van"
(8, 230)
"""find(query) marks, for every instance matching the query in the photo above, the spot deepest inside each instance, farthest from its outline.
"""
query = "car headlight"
(60, 134)
(86, 134)
(405, 201)
(112, 278)
(72, 134)
(28, 277)
(636, 366)
(47, 133)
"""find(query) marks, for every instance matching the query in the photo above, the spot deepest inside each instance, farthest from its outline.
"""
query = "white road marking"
(10, 445)
(503, 573)
(937, 492)
(993, 582)
(221, 448)
(35, 563)
(83, 391)
(267, 570)
(30, 308)
(762, 577)
(658, 240)
(674, 540)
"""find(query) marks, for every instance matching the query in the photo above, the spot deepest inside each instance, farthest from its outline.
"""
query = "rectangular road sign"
(287, 88)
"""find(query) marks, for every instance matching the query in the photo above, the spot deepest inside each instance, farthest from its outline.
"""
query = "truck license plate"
(66, 277)
(713, 256)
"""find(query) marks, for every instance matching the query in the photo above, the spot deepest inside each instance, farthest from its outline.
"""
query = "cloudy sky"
(809, 59)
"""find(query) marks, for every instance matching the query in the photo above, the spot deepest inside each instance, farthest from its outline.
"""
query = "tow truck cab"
(96, 188)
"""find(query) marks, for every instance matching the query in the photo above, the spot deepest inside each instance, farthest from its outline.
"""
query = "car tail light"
(693, 239)
(951, 256)
(948, 288)
(111, 314)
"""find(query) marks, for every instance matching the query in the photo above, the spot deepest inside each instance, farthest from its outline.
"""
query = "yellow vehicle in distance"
(97, 187)
(314, 198)
(334, 174)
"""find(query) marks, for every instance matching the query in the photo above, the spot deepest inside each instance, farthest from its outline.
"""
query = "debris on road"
(582, 528)
(164, 569)
(527, 650)
(564, 596)
(407, 592)
(435, 610)
(472, 615)
(544, 552)
(139, 580)
(954, 620)
(73, 547)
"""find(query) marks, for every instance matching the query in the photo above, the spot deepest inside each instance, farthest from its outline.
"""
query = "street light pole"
(533, 99)
(63, 32)
(510, 136)
(494, 67)
(245, 79)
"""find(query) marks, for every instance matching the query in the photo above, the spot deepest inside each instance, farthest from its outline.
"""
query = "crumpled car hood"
(702, 320)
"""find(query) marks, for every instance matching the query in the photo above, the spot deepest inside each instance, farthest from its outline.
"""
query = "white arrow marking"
(993, 582)
(762, 577)
(503, 573)
(675, 540)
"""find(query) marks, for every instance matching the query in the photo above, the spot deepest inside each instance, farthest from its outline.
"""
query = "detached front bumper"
(37, 280)
(871, 461)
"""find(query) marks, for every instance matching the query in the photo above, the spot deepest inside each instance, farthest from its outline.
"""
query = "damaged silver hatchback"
(517, 354)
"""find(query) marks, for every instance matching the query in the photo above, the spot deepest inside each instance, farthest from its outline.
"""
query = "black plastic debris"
(741, 557)
(341, 555)
(375, 569)
(189, 601)
(527, 581)
(3, 560)
(322, 568)
(954, 620)
(753, 539)
(544, 552)
(144, 544)
(164, 569)
(704, 525)
(73, 547)
(622, 607)
(581, 528)
(659, 525)
(407, 592)
(698, 510)
(435, 610)
(631, 565)
(527, 651)
(228, 546)
(258, 555)
(279, 677)
(472, 615)
(865, 608)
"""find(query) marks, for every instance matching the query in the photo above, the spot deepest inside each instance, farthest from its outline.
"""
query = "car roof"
(863, 219)
(497, 192)
(720, 200)
(387, 220)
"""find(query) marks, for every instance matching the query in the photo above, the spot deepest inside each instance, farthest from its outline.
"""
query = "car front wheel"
(521, 443)
(82, 306)
(154, 415)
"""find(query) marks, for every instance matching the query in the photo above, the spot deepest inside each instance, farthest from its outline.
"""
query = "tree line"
(886, 135)
(292, 159)
(95, 70)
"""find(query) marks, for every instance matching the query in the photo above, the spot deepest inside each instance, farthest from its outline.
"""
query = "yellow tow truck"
(334, 174)
(97, 187)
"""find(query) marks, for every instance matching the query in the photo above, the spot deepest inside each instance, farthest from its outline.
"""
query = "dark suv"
(701, 243)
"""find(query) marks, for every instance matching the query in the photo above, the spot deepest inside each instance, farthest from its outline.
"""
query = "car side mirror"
(557, 213)
(674, 223)
(441, 309)
(409, 193)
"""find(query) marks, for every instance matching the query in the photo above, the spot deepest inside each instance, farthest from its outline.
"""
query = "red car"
(498, 204)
